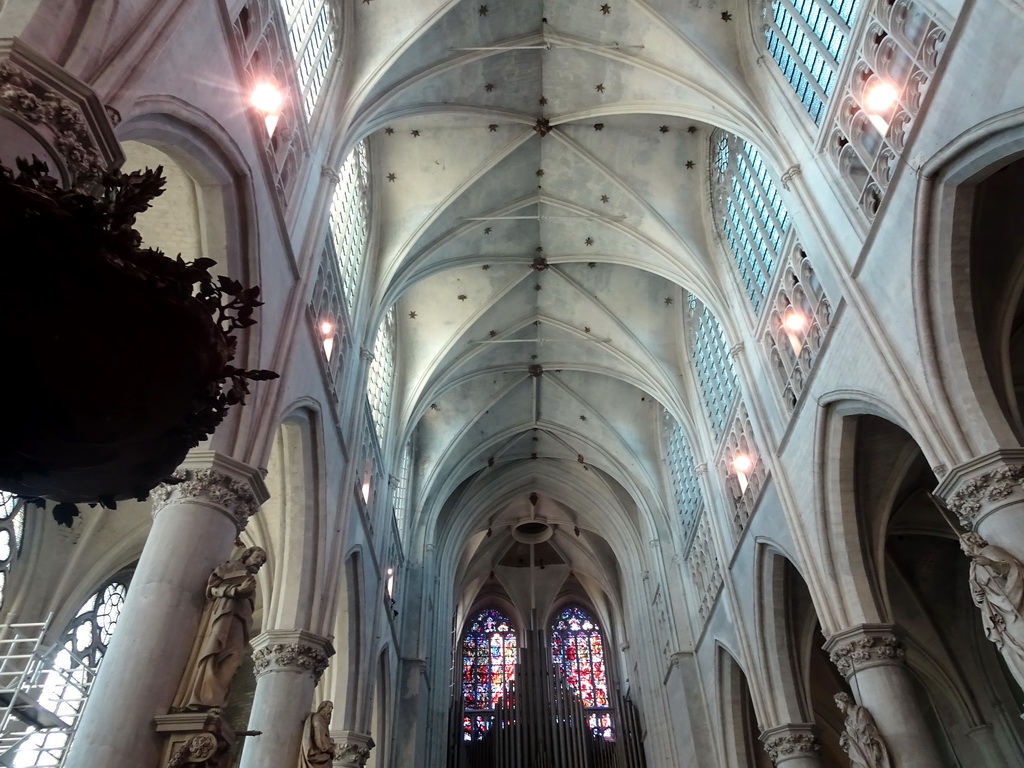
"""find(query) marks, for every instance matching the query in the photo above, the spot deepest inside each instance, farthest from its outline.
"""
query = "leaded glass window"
(381, 380)
(401, 495)
(349, 220)
(12, 530)
(808, 39)
(73, 666)
(489, 655)
(577, 650)
(716, 377)
(749, 211)
(683, 472)
(311, 33)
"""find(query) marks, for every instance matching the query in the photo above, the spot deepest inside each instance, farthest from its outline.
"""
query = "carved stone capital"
(864, 646)
(977, 488)
(366, 355)
(789, 741)
(195, 739)
(330, 174)
(701, 469)
(353, 748)
(735, 350)
(291, 651)
(64, 113)
(211, 480)
(791, 173)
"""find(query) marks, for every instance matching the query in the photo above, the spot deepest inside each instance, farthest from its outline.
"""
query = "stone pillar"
(353, 748)
(288, 665)
(987, 496)
(794, 744)
(872, 659)
(195, 524)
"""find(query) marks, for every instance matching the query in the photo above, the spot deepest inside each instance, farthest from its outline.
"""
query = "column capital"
(864, 646)
(789, 741)
(353, 748)
(985, 484)
(330, 174)
(791, 173)
(210, 479)
(292, 650)
(366, 355)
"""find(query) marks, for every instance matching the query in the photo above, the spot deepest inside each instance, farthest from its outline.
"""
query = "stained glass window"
(716, 376)
(750, 212)
(311, 32)
(489, 654)
(381, 378)
(577, 649)
(73, 665)
(808, 39)
(349, 220)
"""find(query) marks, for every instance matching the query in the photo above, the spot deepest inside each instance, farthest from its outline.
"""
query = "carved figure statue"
(318, 748)
(997, 588)
(861, 739)
(224, 637)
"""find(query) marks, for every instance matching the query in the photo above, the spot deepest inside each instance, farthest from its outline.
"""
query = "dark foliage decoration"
(118, 357)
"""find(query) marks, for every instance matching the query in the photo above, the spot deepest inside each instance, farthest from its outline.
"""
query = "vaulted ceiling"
(540, 173)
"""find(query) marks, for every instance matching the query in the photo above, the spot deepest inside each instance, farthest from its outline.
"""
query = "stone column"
(872, 659)
(353, 748)
(288, 665)
(195, 524)
(794, 744)
(987, 496)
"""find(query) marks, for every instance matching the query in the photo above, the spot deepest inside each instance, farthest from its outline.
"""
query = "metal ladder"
(40, 700)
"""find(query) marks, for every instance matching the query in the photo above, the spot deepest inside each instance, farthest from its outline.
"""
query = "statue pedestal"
(195, 740)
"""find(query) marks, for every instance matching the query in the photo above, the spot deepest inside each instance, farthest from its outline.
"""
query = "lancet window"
(808, 39)
(311, 37)
(749, 211)
(577, 649)
(349, 219)
(401, 483)
(489, 656)
(381, 380)
(12, 530)
(73, 666)
(716, 377)
(683, 473)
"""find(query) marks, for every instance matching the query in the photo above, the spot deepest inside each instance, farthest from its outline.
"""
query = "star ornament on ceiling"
(489, 87)
(668, 301)
(663, 129)
(487, 230)
(726, 16)
(483, 10)
(598, 126)
(493, 127)
(415, 133)
(389, 130)
(606, 9)
(543, 101)
(412, 315)
(392, 177)
(589, 241)
(689, 164)
(605, 198)
(599, 87)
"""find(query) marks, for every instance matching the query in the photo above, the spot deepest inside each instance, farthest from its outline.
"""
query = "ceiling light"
(327, 328)
(794, 321)
(741, 462)
(880, 97)
(268, 99)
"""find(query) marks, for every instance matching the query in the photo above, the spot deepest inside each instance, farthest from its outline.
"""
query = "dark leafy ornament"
(119, 357)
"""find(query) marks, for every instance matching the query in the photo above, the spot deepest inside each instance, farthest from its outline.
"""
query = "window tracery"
(577, 649)
(749, 212)
(799, 319)
(808, 40)
(12, 530)
(489, 655)
(743, 466)
(381, 378)
(716, 377)
(73, 666)
(683, 473)
(899, 49)
(401, 489)
(705, 571)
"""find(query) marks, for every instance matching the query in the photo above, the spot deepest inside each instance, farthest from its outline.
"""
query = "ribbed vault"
(540, 174)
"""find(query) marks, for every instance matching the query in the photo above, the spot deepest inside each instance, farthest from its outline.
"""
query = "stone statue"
(997, 588)
(861, 739)
(318, 748)
(224, 631)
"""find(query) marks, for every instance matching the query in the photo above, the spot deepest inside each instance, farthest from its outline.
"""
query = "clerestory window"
(349, 220)
(311, 36)
(381, 380)
(716, 377)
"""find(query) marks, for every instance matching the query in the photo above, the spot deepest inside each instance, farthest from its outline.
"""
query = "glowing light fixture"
(880, 97)
(794, 324)
(327, 332)
(268, 99)
(391, 582)
(741, 465)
